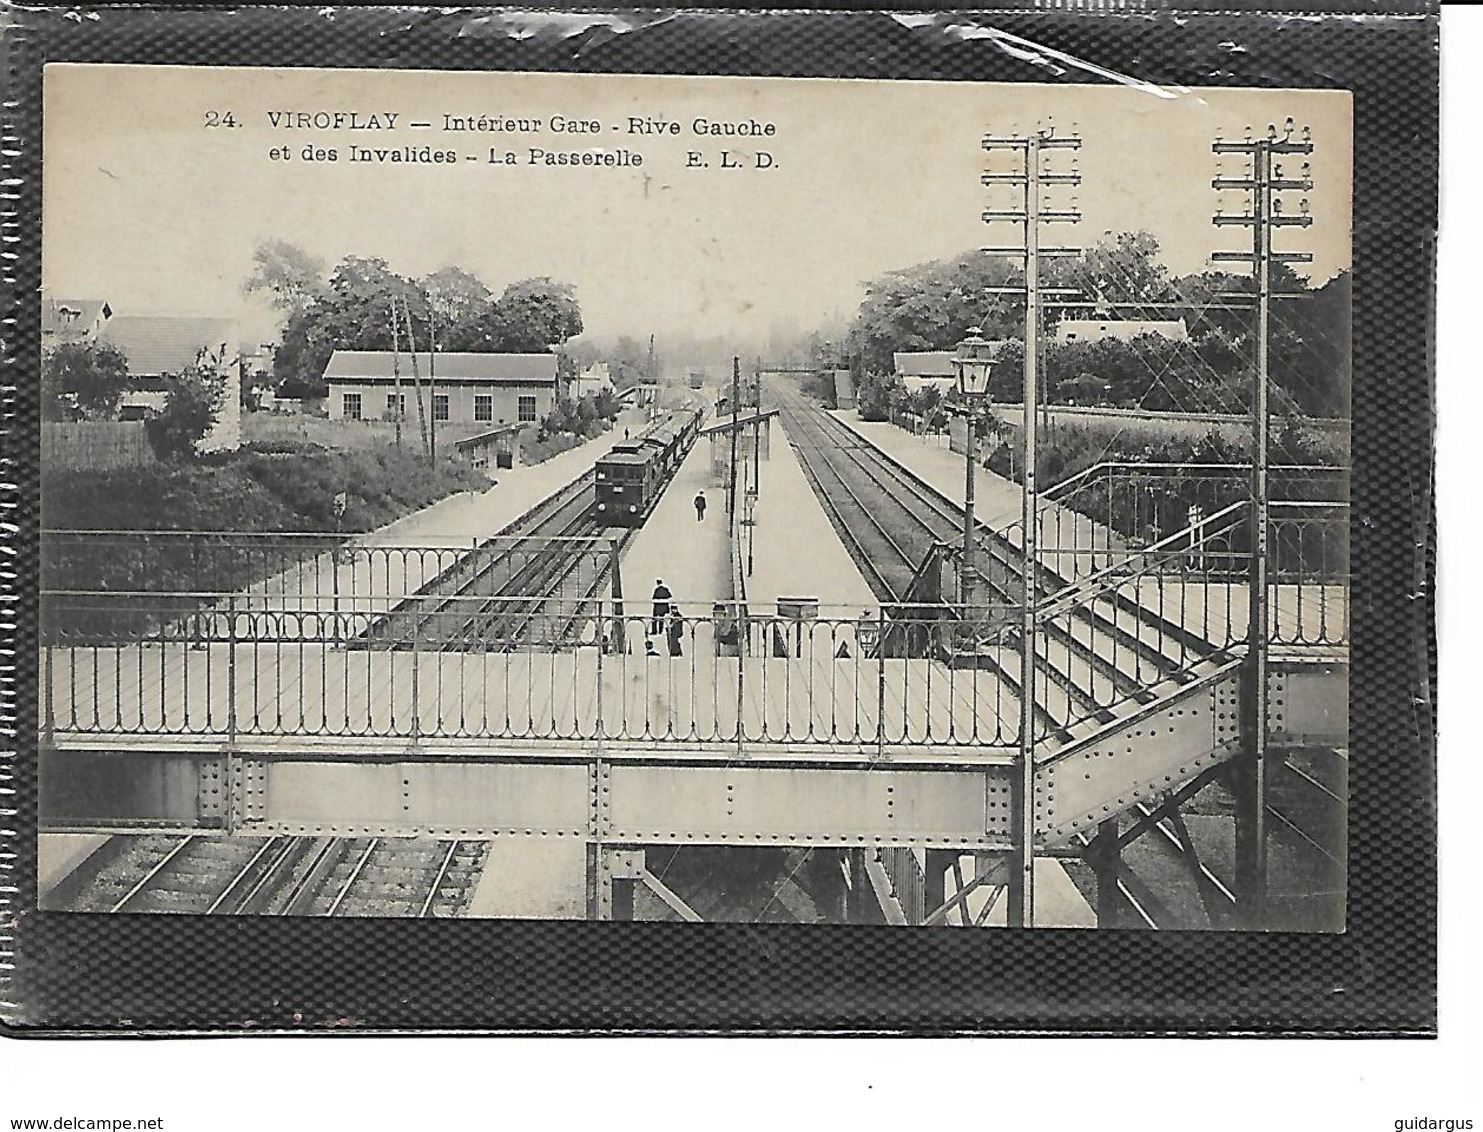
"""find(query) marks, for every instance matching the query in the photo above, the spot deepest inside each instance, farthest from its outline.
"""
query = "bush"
(820, 386)
(568, 424)
(83, 379)
(191, 400)
(1162, 504)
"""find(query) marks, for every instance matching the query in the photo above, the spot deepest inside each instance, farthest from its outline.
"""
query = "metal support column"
(970, 484)
(622, 898)
(1032, 213)
(1251, 810)
(860, 899)
(934, 892)
(1105, 856)
(1249, 773)
(1021, 905)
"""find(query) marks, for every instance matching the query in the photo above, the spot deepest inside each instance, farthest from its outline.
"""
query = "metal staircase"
(1140, 653)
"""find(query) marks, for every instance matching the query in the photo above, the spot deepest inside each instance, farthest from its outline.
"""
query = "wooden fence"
(96, 445)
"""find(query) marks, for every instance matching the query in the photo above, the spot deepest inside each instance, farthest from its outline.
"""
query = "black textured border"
(151, 974)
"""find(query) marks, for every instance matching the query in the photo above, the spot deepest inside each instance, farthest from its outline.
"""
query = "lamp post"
(867, 633)
(974, 363)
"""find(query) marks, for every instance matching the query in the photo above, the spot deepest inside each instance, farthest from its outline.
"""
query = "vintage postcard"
(708, 499)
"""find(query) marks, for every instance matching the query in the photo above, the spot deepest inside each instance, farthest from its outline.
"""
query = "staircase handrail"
(1117, 575)
(931, 560)
(1185, 468)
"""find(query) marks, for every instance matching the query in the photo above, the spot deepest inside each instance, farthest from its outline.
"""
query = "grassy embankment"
(278, 488)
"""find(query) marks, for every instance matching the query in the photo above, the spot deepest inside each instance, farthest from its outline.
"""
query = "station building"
(488, 389)
(926, 368)
(72, 320)
(1120, 329)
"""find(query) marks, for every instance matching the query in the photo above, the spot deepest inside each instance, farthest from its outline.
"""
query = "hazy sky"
(147, 206)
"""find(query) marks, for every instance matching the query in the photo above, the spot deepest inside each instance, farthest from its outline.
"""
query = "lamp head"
(974, 362)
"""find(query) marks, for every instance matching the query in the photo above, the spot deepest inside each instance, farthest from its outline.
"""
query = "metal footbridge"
(340, 693)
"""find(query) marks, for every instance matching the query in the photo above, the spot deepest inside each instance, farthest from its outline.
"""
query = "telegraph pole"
(432, 383)
(396, 374)
(757, 429)
(1263, 183)
(735, 406)
(1032, 176)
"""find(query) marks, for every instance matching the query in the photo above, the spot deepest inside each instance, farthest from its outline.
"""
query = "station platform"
(532, 878)
(998, 502)
(692, 557)
(58, 854)
(795, 551)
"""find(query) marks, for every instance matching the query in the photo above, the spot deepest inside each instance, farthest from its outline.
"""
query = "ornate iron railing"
(572, 670)
(447, 641)
(1107, 512)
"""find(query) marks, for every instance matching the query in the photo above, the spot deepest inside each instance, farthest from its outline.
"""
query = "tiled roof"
(525, 369)
(938, 363)
(166, 344)
(934, 363)
(742, 422)
(1125, 330)
(58, 316)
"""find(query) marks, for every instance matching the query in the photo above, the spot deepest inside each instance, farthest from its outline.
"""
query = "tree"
(290, 275)
(1311, 347)
(606, 403)
(531, 316)
(1123, 269)
(353, 311)
(192, 399)
(878, 395)
(626, 363)
(460, 302)
(931, 307)
(86, 379)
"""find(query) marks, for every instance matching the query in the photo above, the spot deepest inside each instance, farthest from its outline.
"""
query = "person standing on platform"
(675, 632)
(661, 608)
(700, 506)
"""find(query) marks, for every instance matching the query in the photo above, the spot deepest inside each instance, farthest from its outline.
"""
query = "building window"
(396, 405)
(483, 407)
(350, 404)
(527, 409)
(440, 406)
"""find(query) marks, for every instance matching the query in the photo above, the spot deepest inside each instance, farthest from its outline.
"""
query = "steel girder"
(957, 801)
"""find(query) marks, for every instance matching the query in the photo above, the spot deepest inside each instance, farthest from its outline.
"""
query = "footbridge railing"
(1110, 511)
(1127, 627)
(565, 670)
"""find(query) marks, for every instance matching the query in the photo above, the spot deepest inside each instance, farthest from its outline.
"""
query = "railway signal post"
(1031, 176)
(1263, 184)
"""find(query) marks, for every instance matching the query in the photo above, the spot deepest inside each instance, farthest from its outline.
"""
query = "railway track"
(533, 585)
(288, 876)
(484, 600)
(1105, 652)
